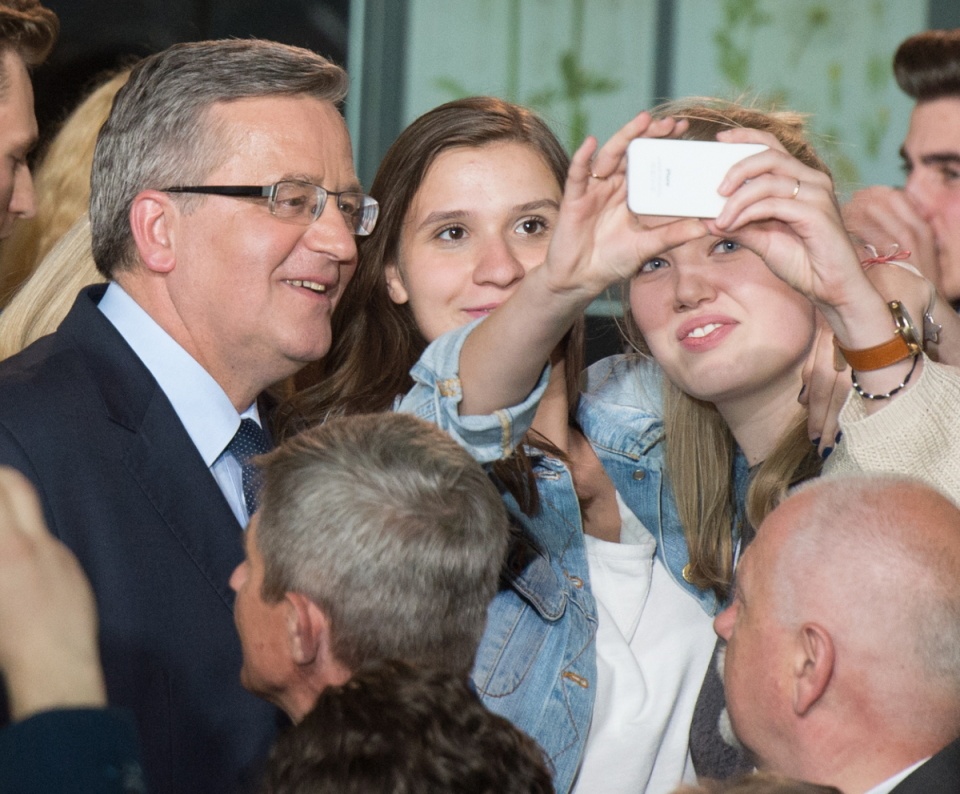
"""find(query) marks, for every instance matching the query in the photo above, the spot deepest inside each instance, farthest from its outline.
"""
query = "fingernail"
(826, 453)
(815, 441)
(836, 439)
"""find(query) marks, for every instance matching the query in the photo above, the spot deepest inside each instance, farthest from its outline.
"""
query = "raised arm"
(597, 242)
(787, 213)
(48, 645)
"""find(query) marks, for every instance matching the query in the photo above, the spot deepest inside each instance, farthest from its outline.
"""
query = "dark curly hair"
(397, 729)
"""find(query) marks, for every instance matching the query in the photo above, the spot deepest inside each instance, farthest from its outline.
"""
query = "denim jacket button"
(575, 580)
(579, 680)
(686, 573)
(639, 474)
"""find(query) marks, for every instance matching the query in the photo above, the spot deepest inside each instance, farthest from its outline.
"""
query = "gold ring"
(597, 176)
(796, 190)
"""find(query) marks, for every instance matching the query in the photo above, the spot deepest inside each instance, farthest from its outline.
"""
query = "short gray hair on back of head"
(895, 543)
(393, 530)
(157, 136)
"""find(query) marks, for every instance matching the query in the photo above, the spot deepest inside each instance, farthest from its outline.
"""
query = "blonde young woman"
(730, 319)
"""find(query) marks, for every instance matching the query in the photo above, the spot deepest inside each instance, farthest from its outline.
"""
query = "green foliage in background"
(576, 82)
(745, 20)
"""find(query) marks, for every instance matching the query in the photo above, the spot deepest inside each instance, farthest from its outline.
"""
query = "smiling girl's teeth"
(698, 333)
(311, 285)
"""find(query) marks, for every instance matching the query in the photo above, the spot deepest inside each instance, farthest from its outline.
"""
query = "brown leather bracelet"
(903, 345)
(878, 356)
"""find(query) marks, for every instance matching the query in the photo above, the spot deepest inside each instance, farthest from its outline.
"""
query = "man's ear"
(813, 666)
(307, 627)
(152, 223)
(395, 286)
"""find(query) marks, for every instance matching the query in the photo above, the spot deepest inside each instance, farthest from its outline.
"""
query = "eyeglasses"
(300, 202)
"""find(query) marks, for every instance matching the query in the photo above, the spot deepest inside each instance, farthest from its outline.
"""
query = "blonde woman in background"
(62, 185)
(46, 297)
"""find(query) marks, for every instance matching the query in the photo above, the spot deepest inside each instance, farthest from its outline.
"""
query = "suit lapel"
(159, 455)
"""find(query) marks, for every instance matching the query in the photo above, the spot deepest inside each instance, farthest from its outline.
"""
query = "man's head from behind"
(28, 32)
(397, 728)
(243, 280)
(844, 632)
(378, 537)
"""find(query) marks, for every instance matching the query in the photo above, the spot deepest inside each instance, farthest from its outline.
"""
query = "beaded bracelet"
(867, 396)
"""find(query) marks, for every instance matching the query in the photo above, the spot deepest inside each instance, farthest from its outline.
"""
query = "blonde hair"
(62, 183)
(45, 298)
(700, 449)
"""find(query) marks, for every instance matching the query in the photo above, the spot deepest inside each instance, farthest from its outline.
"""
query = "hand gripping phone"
(672, 177)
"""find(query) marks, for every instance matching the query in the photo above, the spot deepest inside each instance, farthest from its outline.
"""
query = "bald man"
(843, 638)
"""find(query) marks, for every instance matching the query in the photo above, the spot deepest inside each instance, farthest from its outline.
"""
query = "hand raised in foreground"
(48, 645)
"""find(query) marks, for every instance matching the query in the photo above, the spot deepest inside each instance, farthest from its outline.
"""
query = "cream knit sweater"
(916, 434)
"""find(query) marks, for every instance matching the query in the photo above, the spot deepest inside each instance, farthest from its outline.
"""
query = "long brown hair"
(700, 447)
(376, 341)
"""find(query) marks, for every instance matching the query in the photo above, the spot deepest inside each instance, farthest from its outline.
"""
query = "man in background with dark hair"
(923, 217)
(28, 32)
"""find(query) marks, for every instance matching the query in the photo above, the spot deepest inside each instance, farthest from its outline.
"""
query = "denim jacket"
(536, 664)
(621, 413)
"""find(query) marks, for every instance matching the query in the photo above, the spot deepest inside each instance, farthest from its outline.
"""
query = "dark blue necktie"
(249, 442)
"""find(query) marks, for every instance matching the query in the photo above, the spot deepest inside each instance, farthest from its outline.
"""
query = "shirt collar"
(203, 407)
(890, 784)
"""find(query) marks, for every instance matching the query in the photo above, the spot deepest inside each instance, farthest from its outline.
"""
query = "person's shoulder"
(621, 407)
(629, 380)
(34, 366)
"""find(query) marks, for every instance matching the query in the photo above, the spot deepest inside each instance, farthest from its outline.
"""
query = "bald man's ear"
(813, 667)
(152, 223)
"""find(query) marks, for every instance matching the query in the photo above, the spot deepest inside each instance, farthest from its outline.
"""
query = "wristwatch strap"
(878, 356)
(904, 344)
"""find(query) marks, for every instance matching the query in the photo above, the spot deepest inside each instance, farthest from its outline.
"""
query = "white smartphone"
(672, 177)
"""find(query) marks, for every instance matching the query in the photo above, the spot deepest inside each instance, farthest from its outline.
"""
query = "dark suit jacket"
(940, 774)
(125, 488)
(93, 751)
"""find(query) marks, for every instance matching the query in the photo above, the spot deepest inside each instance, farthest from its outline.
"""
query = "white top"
(203, 407)
(891, 783)
(654, 643)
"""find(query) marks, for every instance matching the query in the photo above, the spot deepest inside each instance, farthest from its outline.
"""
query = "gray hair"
(392, 529)
(157, 133)
(891, 548)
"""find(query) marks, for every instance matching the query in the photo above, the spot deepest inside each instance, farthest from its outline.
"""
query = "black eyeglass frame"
(368, 205)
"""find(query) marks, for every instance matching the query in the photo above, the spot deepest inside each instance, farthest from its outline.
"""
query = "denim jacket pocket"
(519, 621)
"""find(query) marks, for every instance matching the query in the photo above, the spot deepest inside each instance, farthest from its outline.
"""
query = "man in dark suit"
(134, 420)
(380, 538)
(843, 638)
